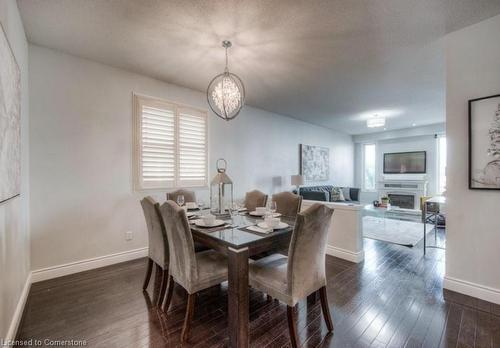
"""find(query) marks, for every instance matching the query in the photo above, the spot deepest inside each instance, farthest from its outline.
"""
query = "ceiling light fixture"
(375, 122)
(226, 93)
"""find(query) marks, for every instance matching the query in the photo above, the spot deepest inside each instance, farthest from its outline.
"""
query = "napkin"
(258, 229)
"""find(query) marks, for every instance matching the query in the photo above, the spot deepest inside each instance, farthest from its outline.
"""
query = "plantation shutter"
(171, 143)
(157, 145)
(192, 147)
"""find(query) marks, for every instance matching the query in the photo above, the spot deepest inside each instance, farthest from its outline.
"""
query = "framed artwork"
(484, 143)
(314, 162)
(10, 122)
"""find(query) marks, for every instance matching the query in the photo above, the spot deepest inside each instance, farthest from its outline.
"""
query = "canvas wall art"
(484, 143)
(10, 122)
(315, 162)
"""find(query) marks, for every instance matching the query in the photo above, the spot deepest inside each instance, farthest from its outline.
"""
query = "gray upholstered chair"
(287, 203)
(193, 271)
(189, 196)
(158, 247)
(254, 199)
(302, 273)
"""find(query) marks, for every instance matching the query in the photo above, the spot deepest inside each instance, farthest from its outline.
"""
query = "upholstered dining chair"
(189, 196)
(193, 271)
(158, 246)
(287, 203)
(254, 199)
(158, 253)
(290, 279)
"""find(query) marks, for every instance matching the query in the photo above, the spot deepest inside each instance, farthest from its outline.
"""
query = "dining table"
(239, 244)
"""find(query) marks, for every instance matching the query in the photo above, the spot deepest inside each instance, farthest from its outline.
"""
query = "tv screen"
(405, 163)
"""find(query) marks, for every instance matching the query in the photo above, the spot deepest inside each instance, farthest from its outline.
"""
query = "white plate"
(254, 213)
(280, 226)
(216, 223)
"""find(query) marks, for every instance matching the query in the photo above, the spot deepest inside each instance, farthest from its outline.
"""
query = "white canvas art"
(10, 127)
(315, 162)
(485, 143)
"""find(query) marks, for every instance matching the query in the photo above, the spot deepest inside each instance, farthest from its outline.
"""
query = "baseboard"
(85, 265)
(345, 254)
(475, 290)
(18, 313)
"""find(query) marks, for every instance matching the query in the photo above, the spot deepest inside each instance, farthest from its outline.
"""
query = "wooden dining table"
(239, 244)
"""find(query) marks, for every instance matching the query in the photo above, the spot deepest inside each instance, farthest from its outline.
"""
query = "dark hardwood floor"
(393, 299)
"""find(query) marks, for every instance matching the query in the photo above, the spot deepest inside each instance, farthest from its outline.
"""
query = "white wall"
(404, 140)
(14, 214)
(473, 225)
(81, 142)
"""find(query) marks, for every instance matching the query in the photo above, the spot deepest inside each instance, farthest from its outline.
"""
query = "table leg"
(238, 301)
(312, 299)
(425, 225)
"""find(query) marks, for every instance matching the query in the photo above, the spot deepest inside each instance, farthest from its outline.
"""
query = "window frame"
(363, 167)
(138, 100)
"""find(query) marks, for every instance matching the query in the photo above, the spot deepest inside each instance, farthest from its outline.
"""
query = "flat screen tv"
(405, 162)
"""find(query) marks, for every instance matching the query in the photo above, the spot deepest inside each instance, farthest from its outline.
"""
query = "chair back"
(189, 196)
(254, 199)
(306, 254)
(157, 235)
(182, 265)
(287, 203)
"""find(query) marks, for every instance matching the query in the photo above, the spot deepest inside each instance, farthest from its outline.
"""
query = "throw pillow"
(347, 193)
(336, 195)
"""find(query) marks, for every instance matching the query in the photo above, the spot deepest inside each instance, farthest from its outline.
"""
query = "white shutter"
(157, 144)
(192, 147)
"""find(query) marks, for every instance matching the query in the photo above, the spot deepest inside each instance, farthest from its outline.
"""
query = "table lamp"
(297, 180)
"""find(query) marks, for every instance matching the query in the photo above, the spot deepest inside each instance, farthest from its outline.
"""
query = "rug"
(407, 233)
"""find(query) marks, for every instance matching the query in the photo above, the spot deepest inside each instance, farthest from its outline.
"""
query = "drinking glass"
(180, 200)
(273, 207)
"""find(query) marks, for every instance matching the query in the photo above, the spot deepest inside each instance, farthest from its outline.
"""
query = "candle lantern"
(221, 189)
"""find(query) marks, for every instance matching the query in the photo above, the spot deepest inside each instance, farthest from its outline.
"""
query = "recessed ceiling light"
(414, 124)
(375, 121)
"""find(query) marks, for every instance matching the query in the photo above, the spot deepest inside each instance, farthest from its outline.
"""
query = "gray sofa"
(324, 193)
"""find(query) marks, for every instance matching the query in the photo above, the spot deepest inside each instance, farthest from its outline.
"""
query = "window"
(369, 157)
(170, 145)
(441, 150)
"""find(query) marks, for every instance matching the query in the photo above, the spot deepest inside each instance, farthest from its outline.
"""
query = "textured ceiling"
(333, 63)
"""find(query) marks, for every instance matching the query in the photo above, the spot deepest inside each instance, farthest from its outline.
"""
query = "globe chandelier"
(226, 92)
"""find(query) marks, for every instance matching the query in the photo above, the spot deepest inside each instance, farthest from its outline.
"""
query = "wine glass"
(273, 207)
(180, 200)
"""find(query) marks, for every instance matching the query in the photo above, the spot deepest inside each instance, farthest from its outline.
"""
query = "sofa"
(330, 193)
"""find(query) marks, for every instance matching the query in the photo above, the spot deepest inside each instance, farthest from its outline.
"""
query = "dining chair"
(158, 252)
(193, 271)
(254, 199)
(287, 203)
(293, 278)
(189, 196)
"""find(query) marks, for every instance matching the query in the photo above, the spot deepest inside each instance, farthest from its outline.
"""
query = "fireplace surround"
(400, 187)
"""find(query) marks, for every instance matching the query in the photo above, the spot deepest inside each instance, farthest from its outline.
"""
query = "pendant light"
(226, 93)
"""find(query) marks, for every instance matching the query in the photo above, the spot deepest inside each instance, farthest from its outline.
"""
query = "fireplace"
(403, 188)
(402, 201)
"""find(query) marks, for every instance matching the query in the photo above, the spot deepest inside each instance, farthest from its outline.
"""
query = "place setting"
(268, 225)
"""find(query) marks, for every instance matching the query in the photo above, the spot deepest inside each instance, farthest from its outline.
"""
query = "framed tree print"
(484, 143)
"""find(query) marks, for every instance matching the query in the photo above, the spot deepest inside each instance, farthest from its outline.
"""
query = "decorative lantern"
(221, 189)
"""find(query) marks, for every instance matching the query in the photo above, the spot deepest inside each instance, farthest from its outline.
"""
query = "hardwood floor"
(393, 299)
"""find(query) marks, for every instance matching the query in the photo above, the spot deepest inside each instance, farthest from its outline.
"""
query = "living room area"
(249, 174)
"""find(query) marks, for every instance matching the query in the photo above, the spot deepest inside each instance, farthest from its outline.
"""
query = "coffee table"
(390, 212)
